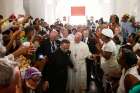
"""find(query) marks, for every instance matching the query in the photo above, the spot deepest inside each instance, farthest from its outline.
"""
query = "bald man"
(47, 48)
(79, 51)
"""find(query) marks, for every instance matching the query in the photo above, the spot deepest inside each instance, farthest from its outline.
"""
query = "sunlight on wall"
(76, 20)
(95, 8)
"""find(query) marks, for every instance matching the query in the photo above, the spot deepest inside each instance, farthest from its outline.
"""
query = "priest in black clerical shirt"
(59, 68)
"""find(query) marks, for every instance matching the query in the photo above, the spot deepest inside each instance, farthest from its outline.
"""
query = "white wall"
(8, 7)
(101, 8)
(41, 9)
(36, 8)
(52, 9)
(96, 8)
(26, 6)
(128, 6)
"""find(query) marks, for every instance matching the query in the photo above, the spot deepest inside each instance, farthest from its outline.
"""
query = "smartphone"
(41, 57)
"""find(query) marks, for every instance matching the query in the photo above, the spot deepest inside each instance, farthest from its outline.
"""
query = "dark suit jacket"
(60, 63)
(59, 71)
(45, 49)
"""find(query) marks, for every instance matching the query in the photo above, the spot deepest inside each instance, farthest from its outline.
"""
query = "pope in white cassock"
(77, 82)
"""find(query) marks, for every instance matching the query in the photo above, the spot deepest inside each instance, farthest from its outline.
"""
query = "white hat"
(108, 32)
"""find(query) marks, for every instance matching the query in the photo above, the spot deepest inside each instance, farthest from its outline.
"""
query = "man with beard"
(59, 68)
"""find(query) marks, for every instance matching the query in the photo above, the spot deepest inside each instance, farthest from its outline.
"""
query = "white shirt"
(79, 51)
(133, 71)
(111, 64)
(136, 47)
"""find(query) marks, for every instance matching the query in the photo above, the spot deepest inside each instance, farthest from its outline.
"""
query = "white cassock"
(78, 80)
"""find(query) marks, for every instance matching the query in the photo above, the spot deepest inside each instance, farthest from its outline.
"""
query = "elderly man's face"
(78, 37)
(53, 35)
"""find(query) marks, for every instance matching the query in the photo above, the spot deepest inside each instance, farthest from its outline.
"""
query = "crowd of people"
(37, 57)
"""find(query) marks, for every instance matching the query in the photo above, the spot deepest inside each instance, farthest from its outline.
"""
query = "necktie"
(53, 47)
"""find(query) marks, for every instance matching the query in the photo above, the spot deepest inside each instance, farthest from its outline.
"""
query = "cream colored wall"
(128, 6)
(52, 9)
(8, 7)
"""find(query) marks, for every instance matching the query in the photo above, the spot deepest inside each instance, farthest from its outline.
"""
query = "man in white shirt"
(79, 51)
